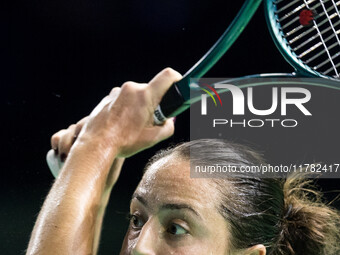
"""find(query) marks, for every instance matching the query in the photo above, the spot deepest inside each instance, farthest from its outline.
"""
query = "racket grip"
(171, 102)
(54, 163)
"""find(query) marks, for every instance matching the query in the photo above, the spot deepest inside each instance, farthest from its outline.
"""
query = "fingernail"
(63, 157)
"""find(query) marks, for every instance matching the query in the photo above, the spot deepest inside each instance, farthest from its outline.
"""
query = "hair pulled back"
(287, 215)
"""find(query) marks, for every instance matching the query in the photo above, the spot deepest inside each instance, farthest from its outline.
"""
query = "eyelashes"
(172, 228)
(136, 221)
(176, 230)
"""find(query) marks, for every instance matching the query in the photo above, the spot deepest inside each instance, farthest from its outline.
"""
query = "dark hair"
(286, 215)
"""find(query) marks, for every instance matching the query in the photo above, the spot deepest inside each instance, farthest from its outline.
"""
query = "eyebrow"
(167, 206)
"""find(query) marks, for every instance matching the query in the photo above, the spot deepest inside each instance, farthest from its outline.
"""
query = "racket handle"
(172, 104)
(54, 163)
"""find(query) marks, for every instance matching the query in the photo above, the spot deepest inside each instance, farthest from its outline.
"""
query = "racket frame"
(178, 96)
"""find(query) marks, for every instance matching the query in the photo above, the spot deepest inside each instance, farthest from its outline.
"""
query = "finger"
(160, 133)
(66, 141)
(80, 125)
(106, 100)
(162, 82)
(115, 91)
(167, 129)
(55, 140)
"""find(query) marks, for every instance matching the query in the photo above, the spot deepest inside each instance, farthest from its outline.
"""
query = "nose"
(147, 241)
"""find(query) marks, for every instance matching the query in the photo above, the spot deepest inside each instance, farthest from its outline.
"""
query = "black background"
(59, 58)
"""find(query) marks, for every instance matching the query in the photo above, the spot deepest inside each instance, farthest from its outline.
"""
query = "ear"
(258, 249)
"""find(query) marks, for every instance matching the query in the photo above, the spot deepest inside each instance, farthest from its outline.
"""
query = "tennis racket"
(306, 32)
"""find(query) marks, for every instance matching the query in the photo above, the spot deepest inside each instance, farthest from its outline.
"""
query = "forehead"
(168, 180)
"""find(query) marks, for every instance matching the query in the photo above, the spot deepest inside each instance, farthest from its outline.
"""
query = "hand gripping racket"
(306, 32)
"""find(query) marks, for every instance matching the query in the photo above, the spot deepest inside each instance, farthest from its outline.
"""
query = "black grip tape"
(172, 100)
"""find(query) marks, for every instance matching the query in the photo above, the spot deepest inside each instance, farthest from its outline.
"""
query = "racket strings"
(311, 29)
(330, 21)
(296, 29)
(336, 8)
(289, 5)
(313, 37)
(319, 53)
(326, 61)
(306, 32)
(323, 42)
(294, 11)
(331, 69)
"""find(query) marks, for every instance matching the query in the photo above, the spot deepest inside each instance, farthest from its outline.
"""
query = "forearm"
(111, 180)
(74, 207)
(121, 125)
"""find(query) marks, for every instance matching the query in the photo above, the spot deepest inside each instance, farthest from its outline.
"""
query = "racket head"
(296, 25)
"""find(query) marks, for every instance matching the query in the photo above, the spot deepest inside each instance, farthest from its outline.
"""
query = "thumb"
(162, 132)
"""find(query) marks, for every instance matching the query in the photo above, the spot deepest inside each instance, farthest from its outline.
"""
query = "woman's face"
(174, 214)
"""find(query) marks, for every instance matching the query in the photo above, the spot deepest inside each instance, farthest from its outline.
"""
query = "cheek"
(126, 249)
(161, 246)
(205, 247)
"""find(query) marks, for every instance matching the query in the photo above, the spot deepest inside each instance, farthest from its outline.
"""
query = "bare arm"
(122, 124)
(62, 142)
(66, 223)
(110, 181)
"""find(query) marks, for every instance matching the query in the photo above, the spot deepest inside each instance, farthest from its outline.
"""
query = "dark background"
(59, 58)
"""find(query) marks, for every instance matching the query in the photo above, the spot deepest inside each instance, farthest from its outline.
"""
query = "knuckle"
(136, 90)
(54, 139)
(72, 126)
(128, 86)
(58, 134)
(82, 121)
(144, 94)
(79, 126)
(115, 90)
(169, 72)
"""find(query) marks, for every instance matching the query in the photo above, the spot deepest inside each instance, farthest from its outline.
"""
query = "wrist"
(105, 137)
(98, 143)
(91, 156)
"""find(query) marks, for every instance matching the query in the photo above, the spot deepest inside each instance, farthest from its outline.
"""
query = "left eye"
(136, 221)
(175, 229)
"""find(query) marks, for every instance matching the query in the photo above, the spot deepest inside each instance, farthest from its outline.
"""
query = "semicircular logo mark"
(215, 92)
